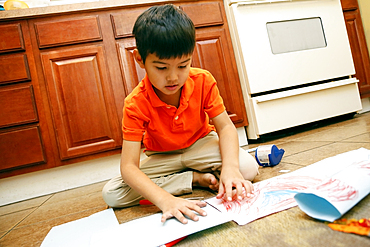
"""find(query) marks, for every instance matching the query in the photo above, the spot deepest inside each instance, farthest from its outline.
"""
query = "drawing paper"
(150, 231)
(270, 196)
(78, 233)
(335, 196)
(324, 190)
(336, 178)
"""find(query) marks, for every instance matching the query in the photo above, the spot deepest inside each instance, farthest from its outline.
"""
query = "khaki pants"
(173, 171)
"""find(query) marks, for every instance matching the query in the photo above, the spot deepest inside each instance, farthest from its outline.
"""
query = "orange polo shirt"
(164, 127)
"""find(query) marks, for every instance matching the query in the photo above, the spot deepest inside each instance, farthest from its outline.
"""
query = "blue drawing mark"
(274, 197)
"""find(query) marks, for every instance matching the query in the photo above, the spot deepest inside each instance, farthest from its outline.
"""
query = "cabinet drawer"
(349, 4)
(11, 38)
(21, 147)
(204, 14)
(14, 68)
(70, 31)
(17, 106)
(124, 21)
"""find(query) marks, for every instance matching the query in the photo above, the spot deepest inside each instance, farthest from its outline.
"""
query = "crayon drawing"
(364, 165)
(277, 194)
(338, 194)
(336, 190)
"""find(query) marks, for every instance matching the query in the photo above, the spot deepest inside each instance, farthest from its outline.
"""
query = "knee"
(248, 166)
(119, 195)
(109, 196)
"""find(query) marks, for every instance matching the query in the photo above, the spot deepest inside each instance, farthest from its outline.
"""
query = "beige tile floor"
(27, 223)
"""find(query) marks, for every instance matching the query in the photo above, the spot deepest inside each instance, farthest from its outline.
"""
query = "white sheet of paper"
(78, 233)
(270, 196)
(335, 196)
(278, 193)
(150, 231)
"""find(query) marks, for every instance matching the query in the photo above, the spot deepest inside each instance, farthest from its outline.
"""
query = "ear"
(138, 59)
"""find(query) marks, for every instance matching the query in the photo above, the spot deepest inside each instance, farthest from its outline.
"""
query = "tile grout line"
(104, 207)
(20, 221)
(310, 149)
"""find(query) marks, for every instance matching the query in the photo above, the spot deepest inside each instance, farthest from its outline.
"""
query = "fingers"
(229, 191)
(166, 216)
(248, 186)
(200, 203)
(239, 191)
(188, 210)
(182, 219)
(235, 190)
(221, 191)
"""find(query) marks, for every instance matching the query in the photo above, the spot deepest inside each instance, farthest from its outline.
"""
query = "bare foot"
(207, 180)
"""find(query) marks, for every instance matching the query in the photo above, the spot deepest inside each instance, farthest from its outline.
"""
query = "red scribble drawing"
(277, 194)
(342, 186)
(364, 165)
(271, 195)
(336, 190)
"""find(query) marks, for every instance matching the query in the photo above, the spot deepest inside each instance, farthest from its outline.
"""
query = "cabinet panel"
(21, 147)
(349, 4)
(81, 100)
(70, 31)
(131, 71)
(204, 14)
(124, 21)
(219, 64)
(14, 68)
(11, 38)
(359, 50)
(17, 106)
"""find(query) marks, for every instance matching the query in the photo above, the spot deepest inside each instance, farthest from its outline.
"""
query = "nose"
(171, 76)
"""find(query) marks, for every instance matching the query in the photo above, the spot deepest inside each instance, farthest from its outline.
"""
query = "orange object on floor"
(360, 227)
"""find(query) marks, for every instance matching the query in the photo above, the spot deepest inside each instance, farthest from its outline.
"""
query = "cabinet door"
(357, 40)
(82, 103)
(213, 54)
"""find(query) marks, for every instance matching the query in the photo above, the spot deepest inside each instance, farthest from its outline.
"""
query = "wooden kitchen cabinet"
(64, 102)
(22, 147)
(358, 45)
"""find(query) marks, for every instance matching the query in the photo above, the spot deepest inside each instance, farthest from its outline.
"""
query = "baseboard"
(45, 182)
(365, 105)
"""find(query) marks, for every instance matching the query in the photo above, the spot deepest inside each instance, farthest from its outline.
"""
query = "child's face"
(167, 75)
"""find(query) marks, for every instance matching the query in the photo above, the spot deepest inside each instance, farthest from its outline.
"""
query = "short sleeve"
(133, 123)
(213, 102)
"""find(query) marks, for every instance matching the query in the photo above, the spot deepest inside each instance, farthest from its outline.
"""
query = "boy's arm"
(229, 147)
(171, 206)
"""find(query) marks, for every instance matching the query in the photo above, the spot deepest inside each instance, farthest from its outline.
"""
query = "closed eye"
(161, 68)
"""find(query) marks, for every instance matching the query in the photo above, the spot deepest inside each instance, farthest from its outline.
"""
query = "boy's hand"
(179, 208)
(232, 178)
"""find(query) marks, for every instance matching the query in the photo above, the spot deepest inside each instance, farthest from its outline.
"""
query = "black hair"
(165, 31)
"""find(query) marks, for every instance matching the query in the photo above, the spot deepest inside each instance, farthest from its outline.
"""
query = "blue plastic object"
(268, 155)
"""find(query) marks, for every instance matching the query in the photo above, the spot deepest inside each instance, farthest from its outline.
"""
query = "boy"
(170, 111)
